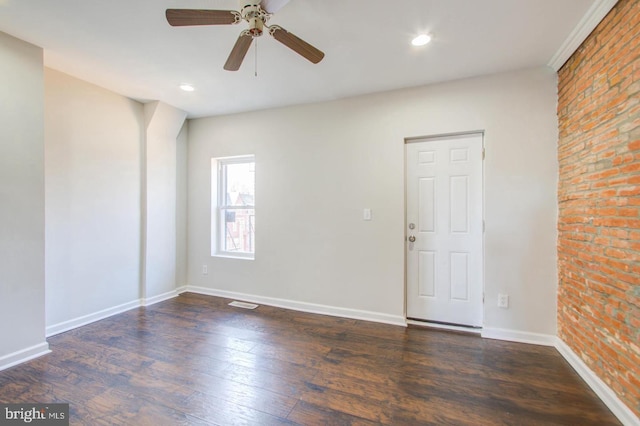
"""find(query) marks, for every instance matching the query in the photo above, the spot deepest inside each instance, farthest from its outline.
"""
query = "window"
(234, 230)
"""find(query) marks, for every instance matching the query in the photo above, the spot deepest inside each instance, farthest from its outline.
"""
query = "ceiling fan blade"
(272, 6)
(238, 52)
(296, 44)
(184, 17)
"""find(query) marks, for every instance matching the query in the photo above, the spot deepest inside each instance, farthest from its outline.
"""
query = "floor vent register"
(243, 305)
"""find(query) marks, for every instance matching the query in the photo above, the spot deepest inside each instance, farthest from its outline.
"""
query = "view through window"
(236, 206)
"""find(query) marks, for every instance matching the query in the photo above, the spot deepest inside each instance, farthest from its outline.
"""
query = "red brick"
(629, 212)
(631, 168)
(599, 201)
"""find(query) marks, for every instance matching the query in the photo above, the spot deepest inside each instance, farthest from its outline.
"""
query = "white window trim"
(218, 204)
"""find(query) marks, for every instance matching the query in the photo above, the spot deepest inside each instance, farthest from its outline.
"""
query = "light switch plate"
(366, 214)
(503, 300)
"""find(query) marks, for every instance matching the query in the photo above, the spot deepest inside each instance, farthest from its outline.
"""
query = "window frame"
(219, 206)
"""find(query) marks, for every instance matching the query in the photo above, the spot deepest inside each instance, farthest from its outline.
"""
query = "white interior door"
(444, 228)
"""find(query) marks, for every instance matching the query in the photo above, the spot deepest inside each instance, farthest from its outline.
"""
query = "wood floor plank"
(347, 403)
(116, 407)
(218, 411)
(356, 386)
(195, 360)
(281, 384)
(308, 414)
(247, 395)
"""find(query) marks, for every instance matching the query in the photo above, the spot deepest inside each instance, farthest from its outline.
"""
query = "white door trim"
(428, 138)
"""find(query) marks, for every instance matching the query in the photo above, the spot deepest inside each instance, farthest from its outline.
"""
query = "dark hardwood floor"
(195, 360)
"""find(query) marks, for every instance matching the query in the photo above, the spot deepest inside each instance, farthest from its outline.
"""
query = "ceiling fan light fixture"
(187, 87)
(421, 40)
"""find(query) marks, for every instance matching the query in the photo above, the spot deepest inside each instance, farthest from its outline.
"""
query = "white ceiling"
(128, 47)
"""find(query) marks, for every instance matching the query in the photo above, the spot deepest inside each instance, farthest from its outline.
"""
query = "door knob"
(412, 239)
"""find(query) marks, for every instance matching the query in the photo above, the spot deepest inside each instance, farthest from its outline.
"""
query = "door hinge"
(483, 153)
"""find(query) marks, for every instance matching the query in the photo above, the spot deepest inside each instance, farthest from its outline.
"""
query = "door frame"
(414, 139)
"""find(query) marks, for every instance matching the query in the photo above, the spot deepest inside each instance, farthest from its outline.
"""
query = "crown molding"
(596, 13)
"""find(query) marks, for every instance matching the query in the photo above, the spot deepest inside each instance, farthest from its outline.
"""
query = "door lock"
(412, 239)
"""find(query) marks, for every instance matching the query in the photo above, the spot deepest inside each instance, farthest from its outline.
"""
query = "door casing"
(477, 221)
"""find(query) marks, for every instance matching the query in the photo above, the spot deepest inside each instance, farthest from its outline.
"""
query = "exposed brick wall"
(599, 202)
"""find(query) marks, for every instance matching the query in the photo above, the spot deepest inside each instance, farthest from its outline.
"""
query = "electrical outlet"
(205, 269)
(503, 300)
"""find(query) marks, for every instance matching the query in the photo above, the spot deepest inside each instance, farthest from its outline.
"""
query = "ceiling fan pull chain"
(256, 59)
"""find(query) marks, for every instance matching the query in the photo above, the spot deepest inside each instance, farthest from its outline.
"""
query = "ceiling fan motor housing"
(255, 26)
(255, 17)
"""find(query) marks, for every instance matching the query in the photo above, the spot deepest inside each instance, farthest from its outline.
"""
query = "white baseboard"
(88, 319)
(52, 330)
(159, 298)
(303, 306)
(519, 336)
(24, 355)
(604, 392)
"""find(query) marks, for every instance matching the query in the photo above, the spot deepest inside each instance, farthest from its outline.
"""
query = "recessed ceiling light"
(187, 87)
(421, 40)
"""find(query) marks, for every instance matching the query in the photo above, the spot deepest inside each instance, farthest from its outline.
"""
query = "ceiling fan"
(256, 13)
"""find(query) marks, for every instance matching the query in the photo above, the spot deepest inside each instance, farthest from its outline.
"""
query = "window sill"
(231, 256)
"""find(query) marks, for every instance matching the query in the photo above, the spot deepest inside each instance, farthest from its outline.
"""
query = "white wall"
(181, 205)
(319, 165)
(163, 123)
(22, 292)
(93, 175)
